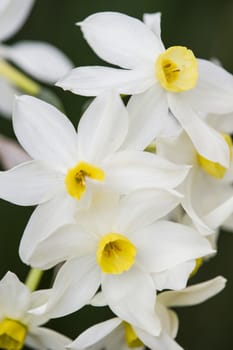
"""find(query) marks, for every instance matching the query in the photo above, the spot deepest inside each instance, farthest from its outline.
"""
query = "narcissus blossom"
(17, 325)
(116, 334)
(207, 190)
(68, 166)
(121, 250)
(159, 80)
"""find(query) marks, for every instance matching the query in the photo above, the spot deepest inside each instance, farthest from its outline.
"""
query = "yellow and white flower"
(159, 80)
(17, 325)
(116, 334)
(68, 167)
(121, 250)
(207, 190)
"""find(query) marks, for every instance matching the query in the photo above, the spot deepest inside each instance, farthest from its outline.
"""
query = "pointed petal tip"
(79, 24)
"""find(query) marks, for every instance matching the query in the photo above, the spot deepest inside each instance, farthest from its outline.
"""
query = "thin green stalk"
(18, 79)
(33, 279)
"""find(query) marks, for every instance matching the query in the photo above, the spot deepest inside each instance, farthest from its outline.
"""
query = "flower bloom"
(207, 190)
(119, 249)
(159, 80)
(116, 334)
(68, 166)
(17, 325)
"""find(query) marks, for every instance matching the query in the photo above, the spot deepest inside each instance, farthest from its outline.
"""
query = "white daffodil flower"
(159, 80)
(40, 60)
(68, 167)
(116, 334)
(207, 190)
(119, 249)
(17, 325)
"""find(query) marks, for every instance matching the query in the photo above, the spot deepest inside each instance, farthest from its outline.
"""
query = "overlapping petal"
(92, 81)
(76, 283)
(147, 112)
(135, 308)
(131, 170)
(208, 142)
(102, 128)
(213, 93)
(46, 219)
(149, 205)
(95, 334)
(165, 244)
(42, 338)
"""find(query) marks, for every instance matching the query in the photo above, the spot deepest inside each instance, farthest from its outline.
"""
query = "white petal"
(95, 334)
(135, 308)
(38, 298)
(75, 284)
(65, 243)
(92, 81)
(213, 93)
(99, 300)
(209, 143)
(164, 244)
(174, 278)
(42, 338)
(168, 318)
(30, 183)
(12, 16)
(149, 205)
(193, 295)
(190, 189)
(178, 149)
(163, 342)
(102, 128)
(11, 154)
(222, 123)
(147, 112)
(131, 170)
(100, 216)
(153, 21)
(44, 132)
(45, 219)
(217, 216)
(7, 97)
(119, 39)
(14, 297)
(41, 60)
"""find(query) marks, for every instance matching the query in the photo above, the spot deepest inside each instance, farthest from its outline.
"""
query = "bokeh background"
(207, 28)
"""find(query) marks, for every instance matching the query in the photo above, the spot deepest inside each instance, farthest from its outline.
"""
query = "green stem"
(33, 279)
(18, 79)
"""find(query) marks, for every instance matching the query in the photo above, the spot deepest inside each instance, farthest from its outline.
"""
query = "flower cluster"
(130, 205)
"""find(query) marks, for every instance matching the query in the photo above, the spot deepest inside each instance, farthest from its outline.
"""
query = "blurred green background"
(207, 28)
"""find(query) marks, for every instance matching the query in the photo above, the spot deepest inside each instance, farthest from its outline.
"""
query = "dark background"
(207, 28)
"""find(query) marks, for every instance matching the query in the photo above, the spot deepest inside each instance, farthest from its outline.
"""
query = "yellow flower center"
(75, 179)
(12, 334)
(212, 168)
(115, 253)
(176, 69)
(197, 266)
(131, 337)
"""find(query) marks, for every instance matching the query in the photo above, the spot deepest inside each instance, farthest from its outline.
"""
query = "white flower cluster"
(132, 202)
